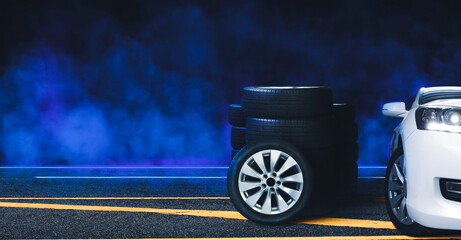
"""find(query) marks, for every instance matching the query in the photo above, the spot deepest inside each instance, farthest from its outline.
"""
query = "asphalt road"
(133, 203)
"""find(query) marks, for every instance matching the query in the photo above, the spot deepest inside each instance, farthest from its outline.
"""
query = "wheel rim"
(397, 190)
(270, 182)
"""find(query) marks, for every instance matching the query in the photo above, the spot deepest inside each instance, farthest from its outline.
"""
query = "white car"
(423, 178)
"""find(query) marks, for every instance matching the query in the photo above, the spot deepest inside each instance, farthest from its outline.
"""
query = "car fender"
(403, 131)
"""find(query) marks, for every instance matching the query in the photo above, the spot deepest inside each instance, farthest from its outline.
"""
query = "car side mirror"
(395, 109)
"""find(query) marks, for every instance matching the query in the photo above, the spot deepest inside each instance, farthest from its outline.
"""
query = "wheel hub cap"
(270, 182)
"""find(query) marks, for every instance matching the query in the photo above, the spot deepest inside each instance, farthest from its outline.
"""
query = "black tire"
(322, 162)
(324, 175)
(348, 173)
(237, 138)
(234, 152)
(304, 133)
(286, 102)
(347, 132)
(346, 163)
(413, 229)
(234, 176)
(347, 152)
(236, 116)
(344, 112)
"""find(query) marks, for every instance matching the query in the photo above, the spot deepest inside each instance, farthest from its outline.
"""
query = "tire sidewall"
(234, 173)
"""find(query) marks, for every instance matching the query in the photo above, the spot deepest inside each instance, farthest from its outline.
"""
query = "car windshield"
(429, 95)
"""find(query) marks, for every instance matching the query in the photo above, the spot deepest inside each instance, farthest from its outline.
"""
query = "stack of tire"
(305, 120)
(237, 119)
(347, 150)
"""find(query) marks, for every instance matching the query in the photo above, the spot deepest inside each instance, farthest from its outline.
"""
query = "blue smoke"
(120, 108)
(154, 90)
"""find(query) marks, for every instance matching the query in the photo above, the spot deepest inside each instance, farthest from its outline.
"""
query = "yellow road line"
(373, 199)
(344, 222)
(120, 198)
(198, 213)
(347, 222)
(284, 238)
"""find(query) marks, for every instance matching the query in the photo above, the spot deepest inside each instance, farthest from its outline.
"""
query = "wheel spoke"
(395, 186)
(251, 201)
(245, 186)
(399, 173)
(290, 162)
(282, 205)
(401, 211)
(274, 157)
(267, 205)
(395, 201)
(406, 219)
(403, 205)
(247, 170)
(294, 194)
(258, 157)
(298, 177)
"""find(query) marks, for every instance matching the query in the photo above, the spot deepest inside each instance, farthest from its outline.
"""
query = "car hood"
(444, 103)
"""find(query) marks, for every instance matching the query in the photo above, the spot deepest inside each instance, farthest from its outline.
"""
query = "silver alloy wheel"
(270, 181)
(397, 190)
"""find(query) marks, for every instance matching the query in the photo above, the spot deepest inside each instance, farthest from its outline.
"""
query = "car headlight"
(439, 119)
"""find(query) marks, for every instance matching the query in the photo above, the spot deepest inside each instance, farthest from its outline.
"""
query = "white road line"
(166, 177)
(124, 177)
(25, 167)
(147, 177)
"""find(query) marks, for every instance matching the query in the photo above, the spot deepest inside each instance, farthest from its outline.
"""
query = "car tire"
(305, 133)
(405, 225)
(238, 138)
(347, 132)
(322, 161)
(286, 102)
(344, 112)
(269, 202)
(348, 173)
(236, 116)
(234, 152)
(347, 152)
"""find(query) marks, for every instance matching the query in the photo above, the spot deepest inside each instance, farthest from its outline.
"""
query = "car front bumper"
(429, 157)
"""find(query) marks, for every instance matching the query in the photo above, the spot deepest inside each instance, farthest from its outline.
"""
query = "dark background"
(148, 82)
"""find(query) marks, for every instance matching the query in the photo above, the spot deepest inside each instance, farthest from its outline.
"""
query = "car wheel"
(396, 197)
(269, 182)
